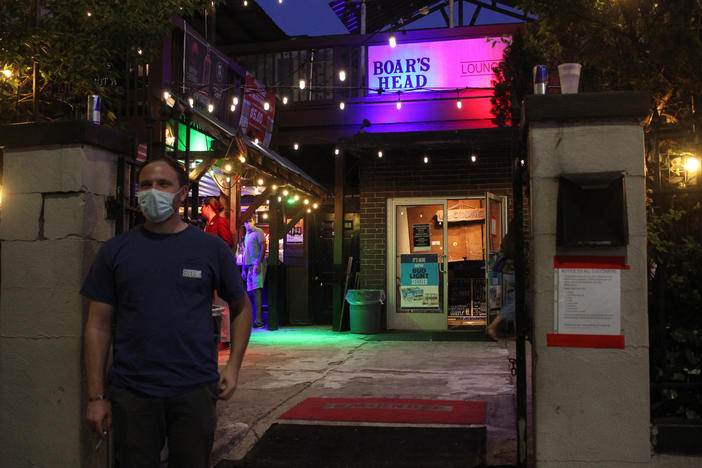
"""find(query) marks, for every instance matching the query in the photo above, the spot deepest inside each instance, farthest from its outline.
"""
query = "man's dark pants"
(141, 424)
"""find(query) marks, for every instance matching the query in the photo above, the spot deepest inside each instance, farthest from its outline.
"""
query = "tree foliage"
(81, 47)
(644, 45)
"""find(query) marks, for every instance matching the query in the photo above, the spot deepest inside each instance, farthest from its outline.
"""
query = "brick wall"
(408, 176)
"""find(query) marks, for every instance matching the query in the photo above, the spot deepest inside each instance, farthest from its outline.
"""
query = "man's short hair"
(178, 167)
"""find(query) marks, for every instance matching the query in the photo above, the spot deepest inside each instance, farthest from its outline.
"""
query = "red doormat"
(389, 410)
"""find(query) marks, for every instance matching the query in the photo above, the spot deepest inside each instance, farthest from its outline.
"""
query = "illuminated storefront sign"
(444, 65)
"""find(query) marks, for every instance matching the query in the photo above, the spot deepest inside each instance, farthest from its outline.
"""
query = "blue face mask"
(156, 205)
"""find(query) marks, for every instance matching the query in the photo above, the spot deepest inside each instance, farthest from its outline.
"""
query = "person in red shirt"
(219, 226)
(216, 224)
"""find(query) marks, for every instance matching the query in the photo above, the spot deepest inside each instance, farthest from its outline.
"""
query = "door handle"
(442, 262)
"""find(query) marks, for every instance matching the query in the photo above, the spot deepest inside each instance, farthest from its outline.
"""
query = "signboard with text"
(419, 281)
(441, 65)
(257, 121)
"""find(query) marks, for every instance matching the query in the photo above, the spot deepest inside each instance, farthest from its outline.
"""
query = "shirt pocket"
(195, 286)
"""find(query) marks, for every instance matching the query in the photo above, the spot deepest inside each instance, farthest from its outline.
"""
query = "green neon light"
(291, 201)
(198, 140)
(304, 338)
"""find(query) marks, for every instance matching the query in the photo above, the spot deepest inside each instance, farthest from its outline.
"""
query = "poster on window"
(419, 281)
(421, 237)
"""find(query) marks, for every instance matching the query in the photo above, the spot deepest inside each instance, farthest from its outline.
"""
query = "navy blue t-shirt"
(161, 286)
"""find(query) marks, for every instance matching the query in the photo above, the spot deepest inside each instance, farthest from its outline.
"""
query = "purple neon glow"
(458, 64)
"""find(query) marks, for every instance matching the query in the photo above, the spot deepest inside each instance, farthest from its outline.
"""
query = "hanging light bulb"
(242, 158)
(232, 108)
(342, 105)
(191, 101)
(229, 179)
(306, 202)
(210, 107)
(140, 52)
(235, 100)
(274, 187)
(285, 100)
(459, 104)
(426, 159)
(285, 192)
(393, 41)
(473, 157)
(265, 215)
(7, 73)
(336, 151)
(342, 75)
(260, 181)
(246, 3)
(166, 95)
(255, 141)
(398, 105)
(296, 197)
(691, 164)
(315, 206)
(380, 154)
(228, 167)
(296, 147)
(266, 106)
(309, 210)
(302, 84)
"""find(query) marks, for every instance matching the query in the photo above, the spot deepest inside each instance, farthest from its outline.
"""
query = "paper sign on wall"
(588, 301)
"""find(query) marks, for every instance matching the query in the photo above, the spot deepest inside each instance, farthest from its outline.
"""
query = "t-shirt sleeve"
(230, 286)
(99, 283)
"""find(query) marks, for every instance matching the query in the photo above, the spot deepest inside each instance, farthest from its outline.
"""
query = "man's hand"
(228, 380)
(99, 416)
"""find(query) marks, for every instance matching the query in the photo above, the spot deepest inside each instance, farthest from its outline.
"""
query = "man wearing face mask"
(150, 292)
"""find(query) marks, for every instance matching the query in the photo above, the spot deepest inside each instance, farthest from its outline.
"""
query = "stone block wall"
(52, 222)
(591, 406)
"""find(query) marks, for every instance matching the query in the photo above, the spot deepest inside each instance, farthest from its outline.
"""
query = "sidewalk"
(284, 367)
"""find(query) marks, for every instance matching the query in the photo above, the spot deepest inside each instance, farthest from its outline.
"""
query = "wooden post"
(338, 300)
(274, 282)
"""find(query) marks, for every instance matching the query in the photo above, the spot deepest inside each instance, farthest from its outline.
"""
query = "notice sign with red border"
(587, 301)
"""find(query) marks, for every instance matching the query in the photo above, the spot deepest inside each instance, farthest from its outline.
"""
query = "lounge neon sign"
(457, 64)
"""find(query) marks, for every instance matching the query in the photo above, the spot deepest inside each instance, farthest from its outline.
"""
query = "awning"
(231, 145)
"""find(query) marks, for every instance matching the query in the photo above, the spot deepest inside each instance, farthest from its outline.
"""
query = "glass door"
(495, 217)
(417, 263)
(465, 224)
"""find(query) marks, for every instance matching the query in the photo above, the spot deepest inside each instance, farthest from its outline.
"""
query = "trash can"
(365, 309)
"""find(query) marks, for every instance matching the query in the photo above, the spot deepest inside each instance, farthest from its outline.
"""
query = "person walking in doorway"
(254, 264)
(150, 292)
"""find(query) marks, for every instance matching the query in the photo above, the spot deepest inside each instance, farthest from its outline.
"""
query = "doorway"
(440, 256)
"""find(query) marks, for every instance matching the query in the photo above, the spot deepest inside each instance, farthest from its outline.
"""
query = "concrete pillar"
(591, 405)
(55, 180)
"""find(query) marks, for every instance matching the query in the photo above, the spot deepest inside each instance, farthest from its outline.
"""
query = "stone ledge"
(72, 132)
(585, 106)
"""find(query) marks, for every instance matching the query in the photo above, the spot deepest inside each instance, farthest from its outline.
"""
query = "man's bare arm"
(242, 314)
(98, 338)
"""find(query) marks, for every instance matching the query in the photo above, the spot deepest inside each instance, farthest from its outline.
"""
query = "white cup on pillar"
(569, 74)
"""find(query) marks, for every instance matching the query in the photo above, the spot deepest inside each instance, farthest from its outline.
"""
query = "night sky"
(316, 18)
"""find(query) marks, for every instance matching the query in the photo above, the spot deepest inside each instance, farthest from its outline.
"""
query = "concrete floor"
(284, 367)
